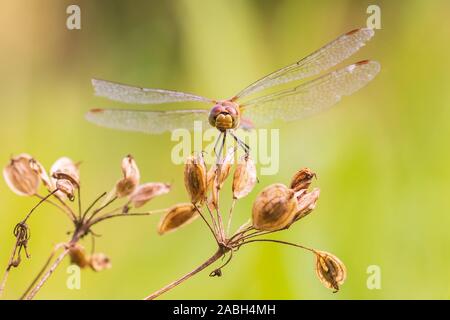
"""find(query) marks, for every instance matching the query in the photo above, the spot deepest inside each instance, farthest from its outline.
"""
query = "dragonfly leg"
(242, 144)
(215, 144)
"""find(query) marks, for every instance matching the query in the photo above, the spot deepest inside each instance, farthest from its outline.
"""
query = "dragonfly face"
(225, 115)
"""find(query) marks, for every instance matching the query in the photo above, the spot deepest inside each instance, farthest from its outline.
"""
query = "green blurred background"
(381, 155)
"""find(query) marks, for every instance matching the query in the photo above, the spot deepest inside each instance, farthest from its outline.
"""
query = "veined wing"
(311, 97)
(147, 121)
(136, 95)
(323, 59)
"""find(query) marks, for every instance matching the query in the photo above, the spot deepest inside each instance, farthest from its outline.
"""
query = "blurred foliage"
(380, 155)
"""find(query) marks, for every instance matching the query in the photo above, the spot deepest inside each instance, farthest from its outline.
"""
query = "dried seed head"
(306, 202)
(40, 170)
(131, 177)
(65, 168)
(224, 167)
(20, 176)
(302, 179)
(177, 216)
(146, 192)
(99, 262)
(330, 270)
(274, 208)
(195, 178)
(66, 187)
(244, 178)
(78, 255)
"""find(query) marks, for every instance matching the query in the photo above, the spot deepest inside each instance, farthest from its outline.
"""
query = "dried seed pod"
(302, 179)
(20, 176)
(306, 202)
(66, 187)
(99, 262)
(244, 179)
(78, 255)
(274, 208)
(177, 216)
(65, 166)
(39, 169)
(224, 167)
(330, 270)
(195, 178)
(131, 177)
(130, 168)
(146, 192)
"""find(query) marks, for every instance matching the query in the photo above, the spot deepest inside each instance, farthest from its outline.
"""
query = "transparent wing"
(147, 121)
(136, 95)
(311, 97)
(323, 59)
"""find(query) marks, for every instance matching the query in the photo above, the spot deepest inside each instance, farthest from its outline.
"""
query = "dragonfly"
(244, 110)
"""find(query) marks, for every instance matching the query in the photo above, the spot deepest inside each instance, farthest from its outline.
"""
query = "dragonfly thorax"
(225, 115)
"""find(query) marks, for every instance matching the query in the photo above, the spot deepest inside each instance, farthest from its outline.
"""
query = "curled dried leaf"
(302, 179)
(177, 216)
(274, 208)
(78, 256)
(244, 179)
(195, 178)
(147, 191)
(99, 262)
(330, 270)
(20, 177)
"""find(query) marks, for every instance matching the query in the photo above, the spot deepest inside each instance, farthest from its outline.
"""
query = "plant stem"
(52, 254)
(207, 223)
(48, 274)
(175, 283)
(279, 241)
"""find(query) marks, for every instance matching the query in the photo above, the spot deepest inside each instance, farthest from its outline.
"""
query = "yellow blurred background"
(380, 155)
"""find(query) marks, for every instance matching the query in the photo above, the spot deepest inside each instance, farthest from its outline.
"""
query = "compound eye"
(215, 111)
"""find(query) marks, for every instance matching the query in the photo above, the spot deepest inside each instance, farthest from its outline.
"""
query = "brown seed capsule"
(330, 270)
(302, 179)
(99, 262)
(78, 255)
(224, 167)
(177, 216)
(131, 177)
(244, 178)
(146, 192)
(66, 187)
(68, 167)
(195, 178)
(306, 202)
(20, 176)
(39, 169)
(274, 208)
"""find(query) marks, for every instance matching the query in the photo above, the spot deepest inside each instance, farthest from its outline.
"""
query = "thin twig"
(92, 205)
(230, 216)
(175, 283)
(47, 274)
(52, 254)
(207, 223)
(279, 241)
(100, 209)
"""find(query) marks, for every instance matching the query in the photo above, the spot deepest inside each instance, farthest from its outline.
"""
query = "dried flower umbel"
(277, 207)
(24, 176)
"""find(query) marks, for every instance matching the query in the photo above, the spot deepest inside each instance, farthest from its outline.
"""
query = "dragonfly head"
(225, 115)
